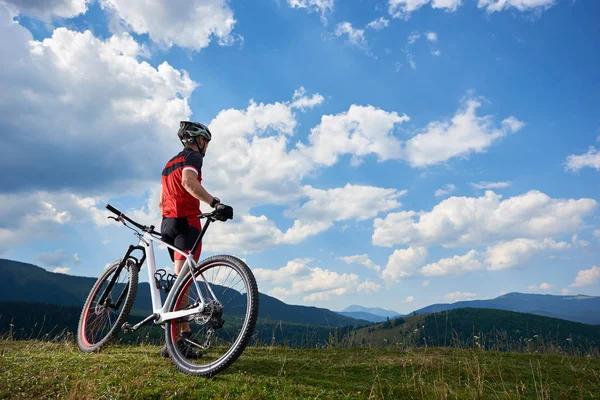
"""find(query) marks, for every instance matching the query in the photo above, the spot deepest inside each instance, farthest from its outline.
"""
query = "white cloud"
(492, 6)
(361, 259)
(322, 6)
(76, 259)
(597, 232)
(360, 131)
(45, 10)
(413, 37)
(293, 269)
(491, 185)
(587, 277)
(579, 242)
(564, 291)
(190, 24)
(403, 263)
(411, 60)
(431, 36)
(542, 286)
(244, 234)
(355, 36)
(590, 159)
(403, 8)
(313, 283)
(424, 283)
(58, 257)
(324, 207)
(378, 24)
(466, 133)
(508, 254)
(409, 299)
(456, 265)
(436, 53)
(61, 270)
(458, 296)
(72, 92)
(302, 102)
(449, 188)
(470, 221)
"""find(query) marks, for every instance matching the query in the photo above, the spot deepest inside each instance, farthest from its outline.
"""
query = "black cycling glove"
(223, 212)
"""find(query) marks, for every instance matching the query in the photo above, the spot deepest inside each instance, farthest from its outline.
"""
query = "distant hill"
(23, 282)
(363, 315)
(371, 310)
(577, 308)
(471, 327)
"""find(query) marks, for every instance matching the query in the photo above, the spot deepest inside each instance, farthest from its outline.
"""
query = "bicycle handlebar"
(126, 218)
(150, 228)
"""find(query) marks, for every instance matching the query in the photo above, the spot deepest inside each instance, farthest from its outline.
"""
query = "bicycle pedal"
(126, 328)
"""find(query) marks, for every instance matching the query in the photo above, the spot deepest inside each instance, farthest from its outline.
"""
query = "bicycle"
(105, 314)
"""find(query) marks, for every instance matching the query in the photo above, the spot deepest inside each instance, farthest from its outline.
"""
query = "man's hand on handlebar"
(223, 212)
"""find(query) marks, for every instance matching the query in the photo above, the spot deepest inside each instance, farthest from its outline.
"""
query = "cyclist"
(179, 203)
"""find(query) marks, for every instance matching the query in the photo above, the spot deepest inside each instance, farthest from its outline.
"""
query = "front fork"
(138, 264)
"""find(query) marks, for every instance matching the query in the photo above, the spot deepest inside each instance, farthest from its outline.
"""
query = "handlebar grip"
(114, 210)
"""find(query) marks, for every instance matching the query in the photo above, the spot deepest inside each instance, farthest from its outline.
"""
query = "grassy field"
(38, 369)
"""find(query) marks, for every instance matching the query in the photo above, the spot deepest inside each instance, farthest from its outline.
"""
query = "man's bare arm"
(189, 180)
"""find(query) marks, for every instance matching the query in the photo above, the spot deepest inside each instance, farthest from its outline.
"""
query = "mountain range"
(577, 308)
(372, 314)
(23, 282)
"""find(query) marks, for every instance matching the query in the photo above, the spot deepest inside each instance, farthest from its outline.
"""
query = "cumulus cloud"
(312, 283)
(458, 296)
(378, 24)
(72, 92)
(409, 299)
(491, 185)
(508, 254)
(431, 36)
(404, 263)
(361, 259)
(324, 207)
(436, 53)
(320, 6)
(466, 133)
(58, 257)
(470, 221)
(541, 286)
(190, 24)
(449, 188)
(456, 265)
(403, 8)
(45, 10)
(61, 270)
(590, 159)
(587, 277)
(492, 6)
(362, 130)
(355, 36)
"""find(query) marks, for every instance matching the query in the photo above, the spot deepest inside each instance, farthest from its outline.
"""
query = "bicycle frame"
(160, 311)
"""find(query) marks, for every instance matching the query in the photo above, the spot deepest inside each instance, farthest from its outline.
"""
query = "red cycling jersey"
(178, 202)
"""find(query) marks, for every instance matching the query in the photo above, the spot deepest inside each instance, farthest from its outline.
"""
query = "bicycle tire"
(132, 284)
(248, 326)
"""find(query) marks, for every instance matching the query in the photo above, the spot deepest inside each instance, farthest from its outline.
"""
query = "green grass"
(52, 369)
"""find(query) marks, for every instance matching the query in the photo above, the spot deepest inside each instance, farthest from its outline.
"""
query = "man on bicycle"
(179, 202)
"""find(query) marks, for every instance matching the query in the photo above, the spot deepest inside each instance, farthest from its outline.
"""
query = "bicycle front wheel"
(208, 342)
(101, 319)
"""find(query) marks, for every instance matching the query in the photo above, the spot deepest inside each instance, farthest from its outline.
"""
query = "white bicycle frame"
(161, 311)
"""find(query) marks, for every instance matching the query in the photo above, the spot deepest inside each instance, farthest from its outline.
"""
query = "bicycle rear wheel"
(222, 331)
(100, 323)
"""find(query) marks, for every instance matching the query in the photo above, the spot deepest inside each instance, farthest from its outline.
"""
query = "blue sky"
(390, 153)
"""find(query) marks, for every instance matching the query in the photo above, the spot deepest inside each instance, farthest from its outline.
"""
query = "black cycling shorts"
(181, 233)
